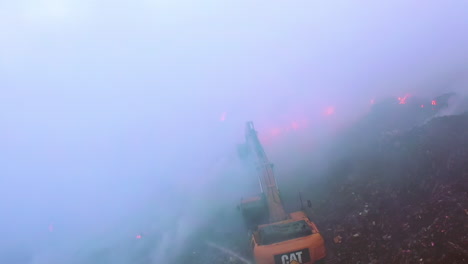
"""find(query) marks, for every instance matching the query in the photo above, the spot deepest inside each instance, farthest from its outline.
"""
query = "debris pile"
(404, 200)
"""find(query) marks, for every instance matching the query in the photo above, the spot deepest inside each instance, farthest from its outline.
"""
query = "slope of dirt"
(389, 197)
(402, 200)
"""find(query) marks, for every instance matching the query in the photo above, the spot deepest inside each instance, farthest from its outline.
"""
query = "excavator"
(276, 237)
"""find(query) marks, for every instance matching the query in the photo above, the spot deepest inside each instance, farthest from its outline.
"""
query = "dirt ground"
(404, 200)
(398, 198)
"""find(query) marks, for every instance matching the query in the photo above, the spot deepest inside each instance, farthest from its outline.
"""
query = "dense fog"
(120, 119)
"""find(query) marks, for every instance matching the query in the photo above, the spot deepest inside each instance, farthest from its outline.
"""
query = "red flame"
(403, 99)
(138, 237)
(434, 102)
(422, 106)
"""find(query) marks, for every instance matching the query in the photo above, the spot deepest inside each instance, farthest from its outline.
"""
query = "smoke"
(119, 119)
(229, 252)
(458, 102)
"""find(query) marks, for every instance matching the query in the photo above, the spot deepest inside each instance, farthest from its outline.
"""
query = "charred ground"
(400, 197)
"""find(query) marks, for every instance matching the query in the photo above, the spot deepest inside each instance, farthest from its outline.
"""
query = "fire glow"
(402, 100)
(276, 132)
(330, 111)
(295, 125)
(223, 117)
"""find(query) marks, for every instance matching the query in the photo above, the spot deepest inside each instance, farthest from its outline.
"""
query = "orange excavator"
(276, 236)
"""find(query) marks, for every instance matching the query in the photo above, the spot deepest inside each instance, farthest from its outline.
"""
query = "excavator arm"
(266, 176)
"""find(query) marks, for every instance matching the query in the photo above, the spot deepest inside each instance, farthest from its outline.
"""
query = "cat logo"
(295, 257)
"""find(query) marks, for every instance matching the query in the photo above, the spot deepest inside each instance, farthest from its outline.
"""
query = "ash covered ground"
(395, 193)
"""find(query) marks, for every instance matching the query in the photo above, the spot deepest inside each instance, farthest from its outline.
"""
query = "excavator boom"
(266, 176)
